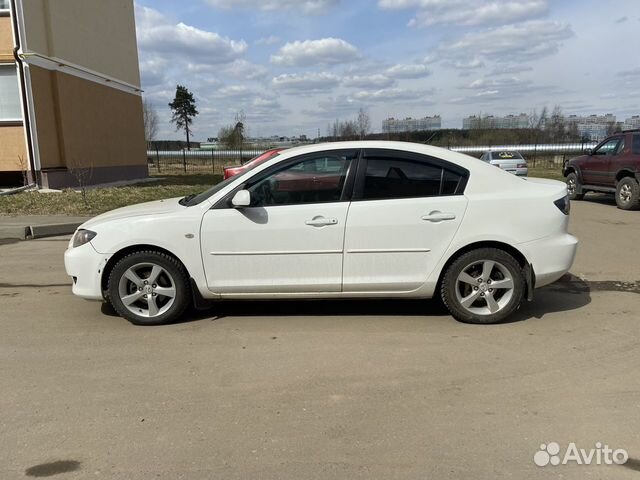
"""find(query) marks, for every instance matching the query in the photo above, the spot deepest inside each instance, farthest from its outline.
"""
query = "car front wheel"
(149, 288)
(483, 286)
(628, 194)
(573, 184)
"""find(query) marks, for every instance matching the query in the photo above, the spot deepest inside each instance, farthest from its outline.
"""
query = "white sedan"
(340, 220)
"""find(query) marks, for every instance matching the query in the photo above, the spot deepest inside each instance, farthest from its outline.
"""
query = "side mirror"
(589, 151)
(241, 199)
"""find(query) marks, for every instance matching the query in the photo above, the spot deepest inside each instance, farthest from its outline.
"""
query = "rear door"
(404, 214)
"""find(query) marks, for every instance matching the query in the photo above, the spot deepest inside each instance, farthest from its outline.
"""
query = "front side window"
(315, 179)
(389, 177)
(9, 94)
(636, 145)
(4, 5)
(607, 148)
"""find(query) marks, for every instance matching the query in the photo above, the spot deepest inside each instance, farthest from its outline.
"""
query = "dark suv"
(612, 167)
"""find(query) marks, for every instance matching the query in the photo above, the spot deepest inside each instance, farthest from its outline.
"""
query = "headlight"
(83, 236)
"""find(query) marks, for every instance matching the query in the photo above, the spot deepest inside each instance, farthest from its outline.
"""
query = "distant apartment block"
(631, 123)
(396, 125)
(69, 92)
(493, 122)
(593, 127)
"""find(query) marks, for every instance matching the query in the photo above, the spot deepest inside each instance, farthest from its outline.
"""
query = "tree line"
(545, 126)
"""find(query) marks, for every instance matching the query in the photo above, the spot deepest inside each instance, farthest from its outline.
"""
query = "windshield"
(201, 197)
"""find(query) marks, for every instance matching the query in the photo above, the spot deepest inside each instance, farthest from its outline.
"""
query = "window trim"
(358, 191)
(347, 189)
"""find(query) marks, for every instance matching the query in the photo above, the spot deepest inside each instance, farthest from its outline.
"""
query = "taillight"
(564, 204)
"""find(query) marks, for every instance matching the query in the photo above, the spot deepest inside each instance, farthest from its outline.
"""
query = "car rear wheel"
(149, 288)
(628, 194)
(483, 286)
(573, 185)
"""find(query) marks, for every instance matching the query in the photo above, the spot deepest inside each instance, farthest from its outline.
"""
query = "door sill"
(596, 188)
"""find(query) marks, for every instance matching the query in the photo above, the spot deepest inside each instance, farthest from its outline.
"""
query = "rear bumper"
(85, 266)
(550, 257)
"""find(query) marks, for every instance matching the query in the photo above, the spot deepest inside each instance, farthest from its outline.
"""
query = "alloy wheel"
(625, 193)
(484, 287)
(147, 290)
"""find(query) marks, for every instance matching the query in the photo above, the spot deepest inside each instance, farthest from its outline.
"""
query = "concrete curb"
(18, 232)
(42, 231)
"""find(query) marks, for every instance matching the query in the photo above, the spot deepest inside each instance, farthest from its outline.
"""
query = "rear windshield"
(505, 155)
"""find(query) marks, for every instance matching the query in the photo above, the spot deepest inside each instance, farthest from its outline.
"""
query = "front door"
(596, 168)
(405, 213)
(290, 239)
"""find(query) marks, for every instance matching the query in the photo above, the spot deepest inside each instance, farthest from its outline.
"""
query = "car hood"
(142, 209)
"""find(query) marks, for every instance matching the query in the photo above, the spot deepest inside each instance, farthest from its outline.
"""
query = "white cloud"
(270, 40)
(408, 70)
(469, 12)
(630, 73)
(307, 6)
(368, 81)
(158, 35)
(484, 83)
(392, 94)
(245, 70)
(510, 43)
(507, 69)
(326, 51)
(305, 83)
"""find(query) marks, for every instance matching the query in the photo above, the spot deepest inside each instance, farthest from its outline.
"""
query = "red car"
(263, 157)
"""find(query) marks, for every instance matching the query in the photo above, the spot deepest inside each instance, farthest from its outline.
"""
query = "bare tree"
(22, 165)
(364, 123)
(82, 174)
(150, 120)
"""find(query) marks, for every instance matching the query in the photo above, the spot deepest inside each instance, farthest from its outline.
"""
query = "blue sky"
(294, 66)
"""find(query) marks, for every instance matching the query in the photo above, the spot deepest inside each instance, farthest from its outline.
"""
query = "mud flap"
(530, 280)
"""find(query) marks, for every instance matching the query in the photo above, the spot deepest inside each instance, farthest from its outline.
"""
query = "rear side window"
(391, 176)
(636, 145)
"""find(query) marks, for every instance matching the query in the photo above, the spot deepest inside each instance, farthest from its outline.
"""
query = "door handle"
(321, 222)
(437, 216)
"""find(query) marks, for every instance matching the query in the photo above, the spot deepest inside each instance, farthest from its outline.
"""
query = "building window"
(4, 5)
(9, 94)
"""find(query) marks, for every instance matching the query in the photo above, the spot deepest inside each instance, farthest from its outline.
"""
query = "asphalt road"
(311, 390)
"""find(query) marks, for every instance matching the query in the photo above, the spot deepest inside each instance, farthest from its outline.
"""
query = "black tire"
(628, 194)
(450, 293)
(572, 179)
(174, 275)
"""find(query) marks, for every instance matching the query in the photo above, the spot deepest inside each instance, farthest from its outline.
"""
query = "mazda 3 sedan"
(341, 220)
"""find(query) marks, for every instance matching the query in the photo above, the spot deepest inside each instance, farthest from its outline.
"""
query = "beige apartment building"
(70, 97)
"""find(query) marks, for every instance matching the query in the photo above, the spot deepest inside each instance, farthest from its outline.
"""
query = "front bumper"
(85, 266)
(550, 257)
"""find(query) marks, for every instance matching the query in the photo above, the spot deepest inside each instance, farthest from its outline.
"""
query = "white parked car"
(512, 162)
(340, 220)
